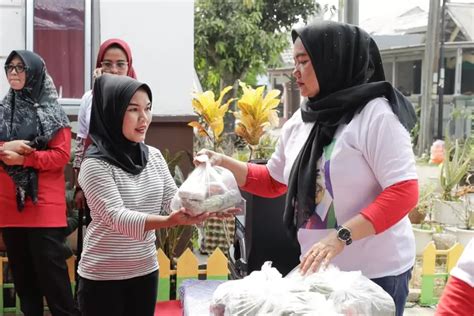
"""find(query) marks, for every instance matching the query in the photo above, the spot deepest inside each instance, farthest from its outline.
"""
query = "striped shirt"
(116, 246)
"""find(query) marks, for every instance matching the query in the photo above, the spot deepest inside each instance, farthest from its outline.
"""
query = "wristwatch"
(344, 234)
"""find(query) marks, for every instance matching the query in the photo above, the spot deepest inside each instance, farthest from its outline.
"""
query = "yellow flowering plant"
(257, 114)
(211, 115)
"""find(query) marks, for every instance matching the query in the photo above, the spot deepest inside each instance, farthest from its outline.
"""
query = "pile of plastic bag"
(207, 189)
(328, 292)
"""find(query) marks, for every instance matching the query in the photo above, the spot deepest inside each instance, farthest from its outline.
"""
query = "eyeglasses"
(107, 65)
(18, 68)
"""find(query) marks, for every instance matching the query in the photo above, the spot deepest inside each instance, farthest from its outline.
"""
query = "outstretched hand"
(321, 253)
(181, 217)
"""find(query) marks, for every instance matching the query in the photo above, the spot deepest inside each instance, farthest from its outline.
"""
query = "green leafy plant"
(173, 239)
(466, 213)
(266, 147)
(455, 167)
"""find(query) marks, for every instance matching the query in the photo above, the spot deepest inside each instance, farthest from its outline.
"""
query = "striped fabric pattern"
(116, 247)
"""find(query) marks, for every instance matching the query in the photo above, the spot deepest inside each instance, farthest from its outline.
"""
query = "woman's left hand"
(321, 253)
(11, 158)
(181, 217)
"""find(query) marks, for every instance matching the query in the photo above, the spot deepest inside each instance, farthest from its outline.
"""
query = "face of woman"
(115, 62)
(304, 71)
(137, 117)
(16, 74)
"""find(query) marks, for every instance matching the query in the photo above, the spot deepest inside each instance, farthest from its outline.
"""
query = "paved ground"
(418, 311)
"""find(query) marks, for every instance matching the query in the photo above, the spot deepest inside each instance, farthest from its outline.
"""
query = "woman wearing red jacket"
(35, 140)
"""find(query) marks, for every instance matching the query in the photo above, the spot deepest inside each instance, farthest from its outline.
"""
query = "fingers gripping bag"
(207, 189)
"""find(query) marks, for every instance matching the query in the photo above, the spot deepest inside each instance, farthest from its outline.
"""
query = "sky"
(372, 8)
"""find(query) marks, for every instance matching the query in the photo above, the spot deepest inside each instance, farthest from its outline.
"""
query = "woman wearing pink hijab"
(114, 57)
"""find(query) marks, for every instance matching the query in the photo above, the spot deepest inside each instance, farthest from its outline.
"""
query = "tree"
(238, 39)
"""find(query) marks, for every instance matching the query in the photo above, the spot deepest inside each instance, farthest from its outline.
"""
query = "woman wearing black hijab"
(128, 187)
(35, 142)
(345, 160)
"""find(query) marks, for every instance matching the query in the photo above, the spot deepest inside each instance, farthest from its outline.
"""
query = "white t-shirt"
(367, 155)
(84, 115)
(464, 269)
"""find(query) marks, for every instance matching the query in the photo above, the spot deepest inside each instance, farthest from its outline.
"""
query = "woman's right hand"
(214, 158)
(97, 73)
(79, 199)
(18, 146)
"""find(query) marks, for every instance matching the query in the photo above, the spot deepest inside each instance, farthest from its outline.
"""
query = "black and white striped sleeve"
(169, 186)
(106, 201)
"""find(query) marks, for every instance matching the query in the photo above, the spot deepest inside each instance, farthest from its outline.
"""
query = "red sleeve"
(392, 205)
(57, 155)
(259, 182)
(456, 299)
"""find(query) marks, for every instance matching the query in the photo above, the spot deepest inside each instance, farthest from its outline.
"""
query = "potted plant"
(465, 230)
(256, 115)
(174, 240)
(455, 167)
(265, 235)
(210, 127)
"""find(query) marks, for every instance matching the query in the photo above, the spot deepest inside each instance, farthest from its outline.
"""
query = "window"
(449, 75)
(408, 77)
(59, 39)
(467, 76)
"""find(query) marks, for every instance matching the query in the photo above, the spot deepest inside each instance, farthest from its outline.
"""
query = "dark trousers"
(397, 287)
(37, 259)
(136, 296)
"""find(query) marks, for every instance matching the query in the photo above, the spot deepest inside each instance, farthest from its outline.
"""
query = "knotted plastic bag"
(437, 152)
(207, 189)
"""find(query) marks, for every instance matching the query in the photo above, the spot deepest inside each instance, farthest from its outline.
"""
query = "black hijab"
(349, 69)
(112, 94)
(32, 113)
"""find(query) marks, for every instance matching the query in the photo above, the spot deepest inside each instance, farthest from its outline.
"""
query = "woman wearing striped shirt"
(128, 186)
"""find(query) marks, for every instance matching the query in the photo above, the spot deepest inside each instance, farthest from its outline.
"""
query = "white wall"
(161, 36)
(12, 34)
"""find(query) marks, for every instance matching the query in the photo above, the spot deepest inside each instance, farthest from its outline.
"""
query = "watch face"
(344, 234)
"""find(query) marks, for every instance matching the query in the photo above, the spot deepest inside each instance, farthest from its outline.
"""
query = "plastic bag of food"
(265, 292)
(437, 152)
(208, 189)
(328, 292)
(350, 291)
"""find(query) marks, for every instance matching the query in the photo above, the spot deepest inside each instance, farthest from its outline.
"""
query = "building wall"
(12, 18)
(161, 36)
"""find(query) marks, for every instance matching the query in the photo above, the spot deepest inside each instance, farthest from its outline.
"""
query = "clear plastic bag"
(208, 189)
(328, 292)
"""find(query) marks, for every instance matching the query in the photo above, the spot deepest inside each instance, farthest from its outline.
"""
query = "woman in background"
(114, 57)
(32, 195)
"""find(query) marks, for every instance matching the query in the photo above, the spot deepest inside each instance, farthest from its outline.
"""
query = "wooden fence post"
(428, 274)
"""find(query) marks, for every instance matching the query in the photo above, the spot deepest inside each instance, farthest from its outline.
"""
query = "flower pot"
(463, 236)
(422, 238)
(416, 217)
(444, 241)
(448, 212)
